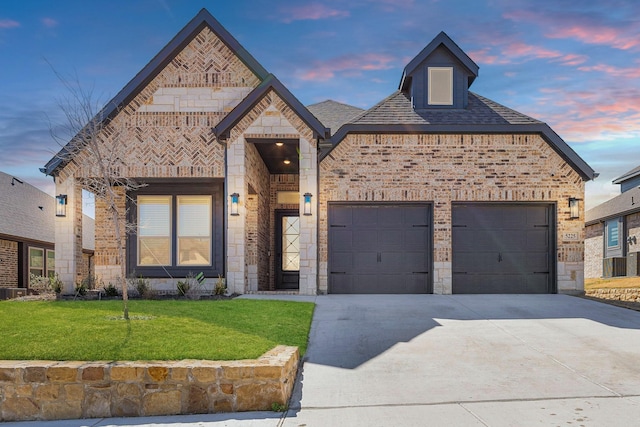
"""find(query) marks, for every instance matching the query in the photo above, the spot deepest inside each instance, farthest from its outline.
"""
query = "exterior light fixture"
(287, 161)
(574, 208)
(307, 203)
(61, 205)
(279, 143)
(234, 204)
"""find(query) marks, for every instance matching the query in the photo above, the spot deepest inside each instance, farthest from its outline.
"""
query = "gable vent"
(440, 85)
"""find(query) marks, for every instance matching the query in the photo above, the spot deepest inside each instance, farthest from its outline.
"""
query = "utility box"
(10, 293)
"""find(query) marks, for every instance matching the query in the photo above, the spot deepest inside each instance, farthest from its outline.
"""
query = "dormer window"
(440, 85)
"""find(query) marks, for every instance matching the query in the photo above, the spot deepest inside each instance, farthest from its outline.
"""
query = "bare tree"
(93, 142)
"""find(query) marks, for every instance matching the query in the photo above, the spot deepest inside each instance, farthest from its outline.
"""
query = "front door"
(287, 258)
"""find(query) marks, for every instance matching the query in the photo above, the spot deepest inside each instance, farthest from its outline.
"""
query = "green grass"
(158, 330)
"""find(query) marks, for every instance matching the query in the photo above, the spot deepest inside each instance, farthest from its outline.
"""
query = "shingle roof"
(395, 114)
(628, 175)
(397, 109)
(334, 114)
(623, 204)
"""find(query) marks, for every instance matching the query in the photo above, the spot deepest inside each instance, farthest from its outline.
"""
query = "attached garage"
(380, 248)
(503, 248)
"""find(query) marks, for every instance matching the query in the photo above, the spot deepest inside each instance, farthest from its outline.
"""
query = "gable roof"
(154, 67)
(623, 204)
(395, 114)
(334, 114)
(627, 176)
(222, 129)
(445, 40)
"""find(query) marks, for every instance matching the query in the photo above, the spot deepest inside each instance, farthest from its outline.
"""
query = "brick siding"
(8, 264)
(447, 168)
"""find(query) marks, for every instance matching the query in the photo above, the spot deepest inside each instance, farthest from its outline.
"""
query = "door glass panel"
(290, 243)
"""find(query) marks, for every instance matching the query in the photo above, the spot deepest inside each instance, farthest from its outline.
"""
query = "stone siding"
(593, 250)
(41, 390)
(8, 264)
(271, 118)
(443, 169)
(622, 294)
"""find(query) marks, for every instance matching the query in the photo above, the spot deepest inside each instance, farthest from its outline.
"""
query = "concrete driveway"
(486, 360)
(464, 360)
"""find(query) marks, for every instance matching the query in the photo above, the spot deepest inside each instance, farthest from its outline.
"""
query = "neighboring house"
(612, 238)
(434, 189)
(27, 235)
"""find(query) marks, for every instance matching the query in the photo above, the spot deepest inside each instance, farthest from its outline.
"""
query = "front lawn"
(612, 282)
(158, 330)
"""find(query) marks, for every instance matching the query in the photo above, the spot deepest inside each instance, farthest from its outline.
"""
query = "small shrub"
(110, 290)
(220, 287)
(183, 287)
(279, 407)
(56, 284)
(81, 289)
(40, 284)
(141, 286)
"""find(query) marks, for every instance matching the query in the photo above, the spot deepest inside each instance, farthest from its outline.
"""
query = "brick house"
(27, 236)
(612, 240)
(434, 189)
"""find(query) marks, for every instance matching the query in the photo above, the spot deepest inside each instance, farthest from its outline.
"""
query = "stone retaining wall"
(621, 294)
(48, 390)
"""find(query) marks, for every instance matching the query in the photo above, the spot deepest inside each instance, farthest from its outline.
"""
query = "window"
(194, 230)
(179, 229)
(613, 234)
(440, 84)
(36, 261)
(154, 230)
(51, 263)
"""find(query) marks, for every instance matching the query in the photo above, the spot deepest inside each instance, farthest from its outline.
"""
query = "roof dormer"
(439, 77)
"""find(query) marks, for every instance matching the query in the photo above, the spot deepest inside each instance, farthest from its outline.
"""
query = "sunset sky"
(573, 64)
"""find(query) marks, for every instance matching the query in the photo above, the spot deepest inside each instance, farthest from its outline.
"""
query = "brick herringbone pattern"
(158, 145)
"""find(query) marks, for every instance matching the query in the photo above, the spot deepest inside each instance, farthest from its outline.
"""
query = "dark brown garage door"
(501, 248)
(379, 249)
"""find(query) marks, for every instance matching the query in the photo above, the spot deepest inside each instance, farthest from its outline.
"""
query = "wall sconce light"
(574, 208)
(61, 205)
(307, 203)
(234, 204)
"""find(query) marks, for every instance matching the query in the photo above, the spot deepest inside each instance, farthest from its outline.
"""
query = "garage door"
(379, 249)
(499, 248)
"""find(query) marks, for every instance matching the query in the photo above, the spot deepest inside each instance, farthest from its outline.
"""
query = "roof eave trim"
(611, 216)
(561, 147)
(624, 178)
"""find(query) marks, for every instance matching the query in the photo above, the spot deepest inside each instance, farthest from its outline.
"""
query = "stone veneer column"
(235, 183)
(308, 223)
(68, 235)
